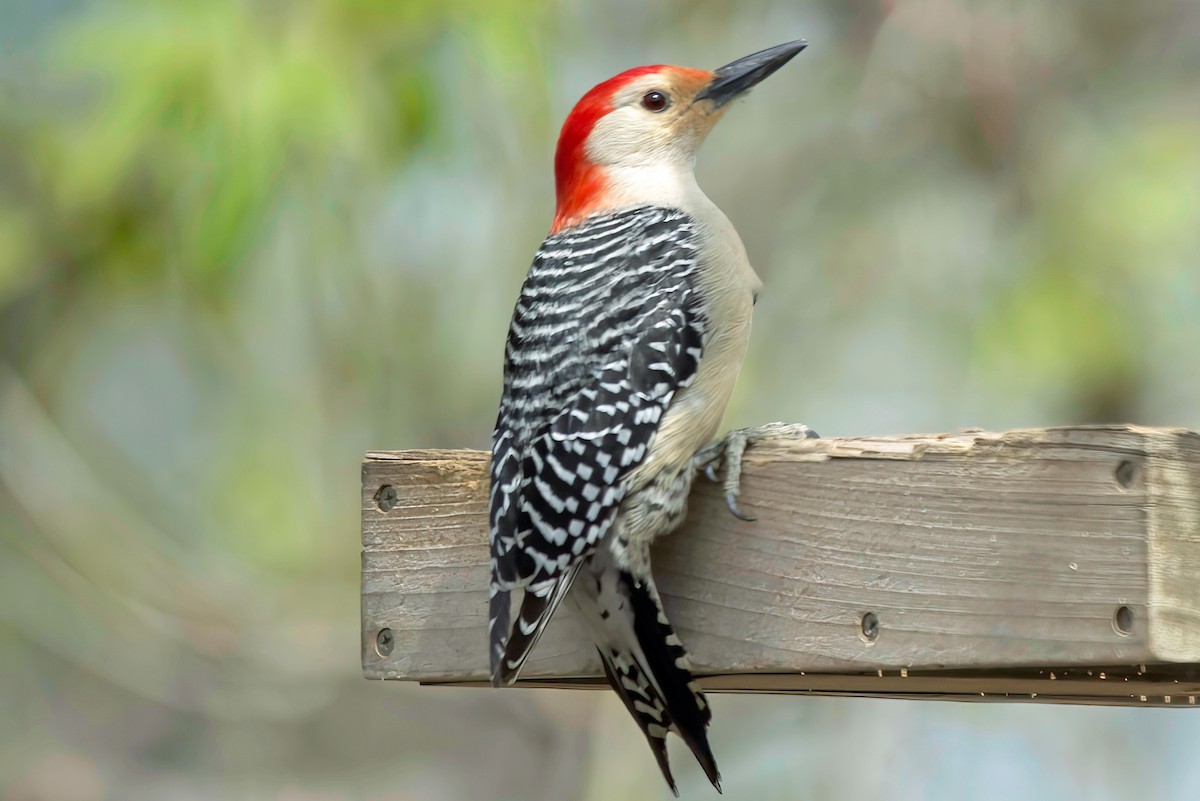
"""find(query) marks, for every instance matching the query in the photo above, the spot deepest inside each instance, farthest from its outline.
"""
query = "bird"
(624, 346)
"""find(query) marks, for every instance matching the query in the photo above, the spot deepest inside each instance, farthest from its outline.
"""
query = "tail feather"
(647, 666)
(498, 622)
(667, 665)
(511, 646)
(649, 719)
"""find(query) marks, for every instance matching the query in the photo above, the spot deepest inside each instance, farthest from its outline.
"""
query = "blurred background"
(244, 241)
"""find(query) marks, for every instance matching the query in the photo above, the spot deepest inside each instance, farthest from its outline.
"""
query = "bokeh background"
(244, 241)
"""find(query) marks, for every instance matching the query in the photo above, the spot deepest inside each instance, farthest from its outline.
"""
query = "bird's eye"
(654, 101)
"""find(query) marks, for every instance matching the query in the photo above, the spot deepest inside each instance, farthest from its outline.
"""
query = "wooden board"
(974, 562)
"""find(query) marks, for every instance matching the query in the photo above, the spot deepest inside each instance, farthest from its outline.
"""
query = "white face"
(640, 133)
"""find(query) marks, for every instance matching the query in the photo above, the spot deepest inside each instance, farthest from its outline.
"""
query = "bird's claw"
(735, 510)
(728, 452)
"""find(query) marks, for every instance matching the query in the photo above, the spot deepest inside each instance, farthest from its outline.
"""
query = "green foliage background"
(243, 242)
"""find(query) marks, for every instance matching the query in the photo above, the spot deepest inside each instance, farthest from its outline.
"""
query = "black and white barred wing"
(606, 330)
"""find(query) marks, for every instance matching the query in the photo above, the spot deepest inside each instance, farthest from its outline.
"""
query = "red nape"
(579, 184)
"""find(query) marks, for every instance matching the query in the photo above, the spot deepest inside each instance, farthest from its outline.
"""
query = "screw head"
(868, 627)
(384, 642)
(386, 498)
(1126, 474)
(1123, 621)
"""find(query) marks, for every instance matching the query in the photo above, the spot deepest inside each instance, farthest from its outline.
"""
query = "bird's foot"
(727, 453)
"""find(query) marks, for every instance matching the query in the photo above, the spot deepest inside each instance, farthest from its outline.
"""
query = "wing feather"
(603, 335)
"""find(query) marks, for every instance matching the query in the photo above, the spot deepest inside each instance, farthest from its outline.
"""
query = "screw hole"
(386, 499)
(384, 643)
(868, 628)
(1123, 621)
(1126, 473)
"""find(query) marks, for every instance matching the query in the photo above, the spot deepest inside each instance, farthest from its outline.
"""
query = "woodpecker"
(624, 347)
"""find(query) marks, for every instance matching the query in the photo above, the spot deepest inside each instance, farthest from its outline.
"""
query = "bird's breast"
(726, 285)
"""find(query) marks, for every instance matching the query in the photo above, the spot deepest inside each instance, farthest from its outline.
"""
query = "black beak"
(737, 77)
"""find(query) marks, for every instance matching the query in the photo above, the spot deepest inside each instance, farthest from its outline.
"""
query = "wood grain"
(984, 558)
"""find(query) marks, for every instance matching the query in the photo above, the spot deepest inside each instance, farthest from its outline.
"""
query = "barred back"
(607, 328)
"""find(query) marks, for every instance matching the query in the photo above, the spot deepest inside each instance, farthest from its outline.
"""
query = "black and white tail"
(645, 662)
(511, 647)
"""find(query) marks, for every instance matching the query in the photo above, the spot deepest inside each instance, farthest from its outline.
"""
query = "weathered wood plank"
(1068, 547)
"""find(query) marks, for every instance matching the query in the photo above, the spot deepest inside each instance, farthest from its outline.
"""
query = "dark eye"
(655, 101)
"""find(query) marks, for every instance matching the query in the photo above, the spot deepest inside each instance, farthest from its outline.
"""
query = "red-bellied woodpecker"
(624, 346)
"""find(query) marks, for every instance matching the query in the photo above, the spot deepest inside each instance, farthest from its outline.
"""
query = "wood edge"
(868, 446)
(1172, 481)
(1152, 701)
(1164, 686)
(423, 455)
